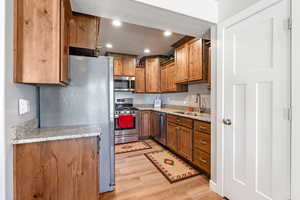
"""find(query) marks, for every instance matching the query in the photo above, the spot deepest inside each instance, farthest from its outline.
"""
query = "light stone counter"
(57, 133)
(201, 116)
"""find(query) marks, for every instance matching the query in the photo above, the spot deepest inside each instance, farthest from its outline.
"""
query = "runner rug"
(171, 166)
(129, 147)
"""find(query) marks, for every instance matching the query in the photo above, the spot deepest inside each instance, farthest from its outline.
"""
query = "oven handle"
(117, 116)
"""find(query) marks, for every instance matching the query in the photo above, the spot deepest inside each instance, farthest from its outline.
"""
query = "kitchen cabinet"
(163, 79)
(192, 61)
(171, 85)
(145, 124)
(61, 170)
(172, 131)
(195, 57)
(202, 145)
(153, 75)
(124, 65)
(181, 59)
(180, 135)
(140, 85)
(185, 144)
(208, 44)
(84, 31)
(41, 41)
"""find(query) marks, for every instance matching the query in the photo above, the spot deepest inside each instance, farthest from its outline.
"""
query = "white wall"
(228, 8)
(12, 93)
(295, 99)
(205, 9)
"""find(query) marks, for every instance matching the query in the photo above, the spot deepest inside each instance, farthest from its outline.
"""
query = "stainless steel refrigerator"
(87, 100)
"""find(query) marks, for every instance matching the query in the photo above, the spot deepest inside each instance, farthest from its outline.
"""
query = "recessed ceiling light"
(116, 23)
(108, 45)
(167, 33)
(147, 51)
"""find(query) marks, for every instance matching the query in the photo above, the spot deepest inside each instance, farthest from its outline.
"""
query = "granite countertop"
(201, 116)
(56, 133)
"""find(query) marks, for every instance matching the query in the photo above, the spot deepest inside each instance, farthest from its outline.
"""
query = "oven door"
(118, 128)
(124, 84)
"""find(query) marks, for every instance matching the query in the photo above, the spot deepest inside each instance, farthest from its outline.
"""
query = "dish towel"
(126, 121)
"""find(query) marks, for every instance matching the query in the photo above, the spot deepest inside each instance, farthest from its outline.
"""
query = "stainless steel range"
(126, 121)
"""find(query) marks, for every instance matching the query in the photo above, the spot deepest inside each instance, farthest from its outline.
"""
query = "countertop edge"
(54, 138)
(177, 114)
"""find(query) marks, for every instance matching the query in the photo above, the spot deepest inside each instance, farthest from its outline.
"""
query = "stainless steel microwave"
(124, 84)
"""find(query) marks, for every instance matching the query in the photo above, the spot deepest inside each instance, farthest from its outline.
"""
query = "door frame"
(259, 6)
(3, 136)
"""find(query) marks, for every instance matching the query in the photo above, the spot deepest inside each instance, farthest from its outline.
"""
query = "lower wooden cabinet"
(58, 170)
(185, 142)
(145, 124)
(172, 131)
(202, 160)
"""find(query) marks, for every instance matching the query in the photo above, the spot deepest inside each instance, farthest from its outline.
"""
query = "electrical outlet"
(24, 106)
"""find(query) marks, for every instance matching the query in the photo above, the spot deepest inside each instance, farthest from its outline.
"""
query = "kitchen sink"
(189, 113)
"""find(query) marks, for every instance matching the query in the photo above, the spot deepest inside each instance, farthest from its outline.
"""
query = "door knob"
(227, 122)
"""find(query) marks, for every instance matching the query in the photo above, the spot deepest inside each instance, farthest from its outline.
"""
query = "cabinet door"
(84, 31)
(171, 74)
(152, 75)
(41, 170)
(163, 80)
(145, 124)
(185, 144)
(65, 40)
(172, 130)
(37, 41)
(118, 68)
(181, 59)
(129, 64)
(195, 60)
(140, 80)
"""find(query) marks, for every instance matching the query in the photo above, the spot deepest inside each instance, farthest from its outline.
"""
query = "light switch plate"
(24, 106)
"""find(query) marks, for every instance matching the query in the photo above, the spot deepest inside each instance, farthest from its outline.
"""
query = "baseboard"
(213, 186)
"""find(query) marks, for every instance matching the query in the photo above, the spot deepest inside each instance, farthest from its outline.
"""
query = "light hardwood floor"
(138, 179)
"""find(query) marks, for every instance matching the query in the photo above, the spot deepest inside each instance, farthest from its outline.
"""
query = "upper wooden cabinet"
(181, 59)
(195, 57)
(124, 65)
(41, 41)
(84, 31)
(153, 75)
(192, 59)
(168, 79)
(140, 85)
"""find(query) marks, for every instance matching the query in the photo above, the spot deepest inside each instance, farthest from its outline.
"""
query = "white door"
(256, 61)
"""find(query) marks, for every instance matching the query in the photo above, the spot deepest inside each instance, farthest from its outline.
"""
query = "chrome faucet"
(199, 101)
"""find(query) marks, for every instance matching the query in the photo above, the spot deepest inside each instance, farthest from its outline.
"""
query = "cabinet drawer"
(201, 160)
(181, 121)
(202, 126)
(202, 141)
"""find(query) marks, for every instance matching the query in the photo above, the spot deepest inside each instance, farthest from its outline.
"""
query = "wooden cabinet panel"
(40, 41)
(171, 81)
(140, 80)
(118, 68)
(195, 60)
(181, 57)
(41, 170)
(172, 130)
(185, 142)
(145, 124)
(129, 64)
(152, 75)
(202, 160)
(65, 39)
(182, 121)
(163, 79)
(84, 31)
(202, 126)
(202, 141)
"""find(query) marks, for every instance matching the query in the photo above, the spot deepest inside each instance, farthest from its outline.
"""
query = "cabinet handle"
(204, 161)
(203, 127)
(203, 142)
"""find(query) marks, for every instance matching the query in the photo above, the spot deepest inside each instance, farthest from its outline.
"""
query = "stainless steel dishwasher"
(159, 127)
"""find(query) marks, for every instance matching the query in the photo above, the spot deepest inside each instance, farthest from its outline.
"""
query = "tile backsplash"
(179, 99)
